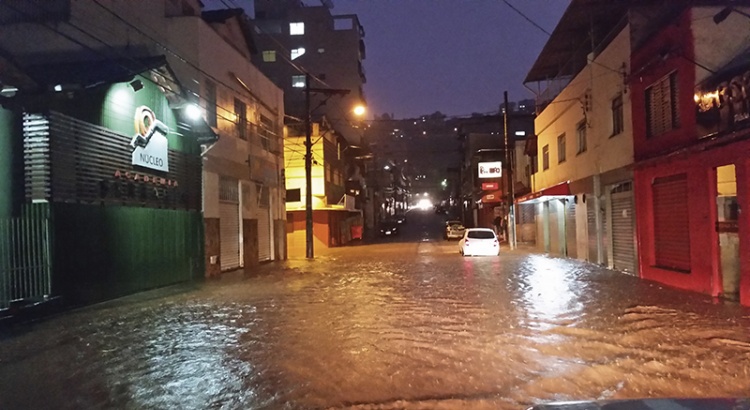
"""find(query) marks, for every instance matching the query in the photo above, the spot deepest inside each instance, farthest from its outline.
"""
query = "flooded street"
(406, 323)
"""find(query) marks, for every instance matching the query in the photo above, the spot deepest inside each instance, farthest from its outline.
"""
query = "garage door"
(671, 224)
(570, 228)
(265, 250)
(229, 223)
(623, 233)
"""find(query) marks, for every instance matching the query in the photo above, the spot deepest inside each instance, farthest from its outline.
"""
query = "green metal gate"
(24, 259)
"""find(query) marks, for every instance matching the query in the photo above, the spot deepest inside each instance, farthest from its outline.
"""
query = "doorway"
(727, 229)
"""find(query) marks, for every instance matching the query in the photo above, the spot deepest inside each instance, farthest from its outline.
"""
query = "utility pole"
(308, 173)
(509, 165)
(310, 254)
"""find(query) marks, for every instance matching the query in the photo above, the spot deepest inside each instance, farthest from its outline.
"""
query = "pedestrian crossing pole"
(509, 167)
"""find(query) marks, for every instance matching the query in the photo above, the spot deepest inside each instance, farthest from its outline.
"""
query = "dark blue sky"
(452, 56)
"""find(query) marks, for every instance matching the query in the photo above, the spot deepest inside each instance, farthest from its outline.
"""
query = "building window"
(296, 28)
(210, 103)
(561, 149)
(240, 112)
(298, 81)
(294, 195)
(534, 164)
(581, 136)
(545, 157)
(662, 114)
(269, 56)
(618, 123)
(296, 52)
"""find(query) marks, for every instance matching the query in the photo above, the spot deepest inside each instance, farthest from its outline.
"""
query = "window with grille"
(662, 114)
(581, 136)
(240, 111)
(618, 122)
(561, 149)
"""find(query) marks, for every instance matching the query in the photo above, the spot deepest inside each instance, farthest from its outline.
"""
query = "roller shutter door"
(671, 224)
(264, 235)
(554, 227)
(623, 245)
(570, 228)
(229, 223)
(265, 245)
(590, 215)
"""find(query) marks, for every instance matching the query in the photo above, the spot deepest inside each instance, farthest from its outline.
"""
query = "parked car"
(454, 229)
(389, 228)
(400, 219)
(479, 241)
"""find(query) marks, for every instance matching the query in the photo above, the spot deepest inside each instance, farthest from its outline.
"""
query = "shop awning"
(560, 190)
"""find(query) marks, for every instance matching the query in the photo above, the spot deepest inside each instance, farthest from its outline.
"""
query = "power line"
(527, 18)
(123, 66)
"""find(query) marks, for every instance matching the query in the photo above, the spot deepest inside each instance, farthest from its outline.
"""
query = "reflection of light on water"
(187, 365)
(547, 288)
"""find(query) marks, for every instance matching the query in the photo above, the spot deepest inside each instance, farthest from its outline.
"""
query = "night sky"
(452, 56)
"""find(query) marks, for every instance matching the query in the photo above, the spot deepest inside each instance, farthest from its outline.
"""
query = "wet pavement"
(404, 323)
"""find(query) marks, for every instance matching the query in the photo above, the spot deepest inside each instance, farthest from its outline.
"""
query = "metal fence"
(24, 260)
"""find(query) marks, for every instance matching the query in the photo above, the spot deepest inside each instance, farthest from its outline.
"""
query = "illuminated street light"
(193, 112)
(359, 110)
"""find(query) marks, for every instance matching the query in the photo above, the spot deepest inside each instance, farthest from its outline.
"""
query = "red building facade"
(691, 139)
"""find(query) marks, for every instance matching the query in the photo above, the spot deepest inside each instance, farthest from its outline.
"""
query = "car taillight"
(495, 243)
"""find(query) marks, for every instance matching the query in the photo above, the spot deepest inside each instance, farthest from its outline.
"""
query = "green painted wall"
(11, 163)
(106, 252)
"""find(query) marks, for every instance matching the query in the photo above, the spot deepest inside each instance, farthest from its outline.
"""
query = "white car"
(479, 241)
(454, 230)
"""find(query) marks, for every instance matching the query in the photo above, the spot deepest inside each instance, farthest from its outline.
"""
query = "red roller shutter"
(671, 229)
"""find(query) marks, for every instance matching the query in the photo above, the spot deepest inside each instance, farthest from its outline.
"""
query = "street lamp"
(359, 110)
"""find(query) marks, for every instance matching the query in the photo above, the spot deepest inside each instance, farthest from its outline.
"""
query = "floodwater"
(406, 323)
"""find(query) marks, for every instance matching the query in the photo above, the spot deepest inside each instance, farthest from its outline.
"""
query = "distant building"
(484, 198)
(290, 36)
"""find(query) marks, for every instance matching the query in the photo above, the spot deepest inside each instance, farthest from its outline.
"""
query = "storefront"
(115, 170)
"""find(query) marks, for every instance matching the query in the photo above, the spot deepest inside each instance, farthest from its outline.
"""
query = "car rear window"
(457, 226)
(481, 235)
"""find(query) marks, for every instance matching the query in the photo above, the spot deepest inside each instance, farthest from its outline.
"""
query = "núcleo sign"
(490, 169)
(150, 144)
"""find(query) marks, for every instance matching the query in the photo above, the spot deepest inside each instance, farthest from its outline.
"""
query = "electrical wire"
(526, 17)
(109, 46)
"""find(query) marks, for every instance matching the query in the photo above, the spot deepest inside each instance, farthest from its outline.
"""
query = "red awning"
(561, 189)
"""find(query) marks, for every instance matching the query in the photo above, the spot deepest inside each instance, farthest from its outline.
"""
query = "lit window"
(581, 133)
(298, 81)
(296, 29)
(545, 157)
(269, 56)
(561, 149)
(297, 52)
(321, 50)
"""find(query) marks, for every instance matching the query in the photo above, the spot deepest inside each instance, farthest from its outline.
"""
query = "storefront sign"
(492, 197)
(490, 169)
(490, 186)
(150, 145)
